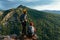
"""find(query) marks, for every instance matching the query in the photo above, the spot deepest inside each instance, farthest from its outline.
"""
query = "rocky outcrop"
(7, 17)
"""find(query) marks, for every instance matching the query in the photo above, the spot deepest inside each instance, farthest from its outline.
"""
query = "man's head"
(25, 11)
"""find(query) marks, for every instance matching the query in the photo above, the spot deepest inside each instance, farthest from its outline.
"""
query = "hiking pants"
(24, 27)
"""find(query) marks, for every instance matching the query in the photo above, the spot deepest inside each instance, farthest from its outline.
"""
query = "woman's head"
(31, 24)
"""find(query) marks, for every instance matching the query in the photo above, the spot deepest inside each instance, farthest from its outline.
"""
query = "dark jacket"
(23, 17)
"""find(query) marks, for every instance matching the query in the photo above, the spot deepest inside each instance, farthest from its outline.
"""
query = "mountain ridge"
(47, 24)
(53, 11)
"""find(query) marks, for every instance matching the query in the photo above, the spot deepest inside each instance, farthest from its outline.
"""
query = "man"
(23, 19)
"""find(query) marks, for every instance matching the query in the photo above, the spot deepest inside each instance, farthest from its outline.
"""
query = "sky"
(34, 4)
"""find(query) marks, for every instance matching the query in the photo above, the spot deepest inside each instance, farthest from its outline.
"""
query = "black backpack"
(22, 17)
(29, 31)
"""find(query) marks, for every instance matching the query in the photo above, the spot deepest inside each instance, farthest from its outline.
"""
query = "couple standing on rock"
(30, 29)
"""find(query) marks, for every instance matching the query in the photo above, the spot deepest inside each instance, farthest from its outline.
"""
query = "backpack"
(22, 17)
(30, 31)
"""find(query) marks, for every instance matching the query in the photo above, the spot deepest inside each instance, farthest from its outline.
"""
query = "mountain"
(52, 11)
(47, 24)
(1, 13)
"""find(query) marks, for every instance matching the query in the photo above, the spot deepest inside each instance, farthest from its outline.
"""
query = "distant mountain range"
(52, 11)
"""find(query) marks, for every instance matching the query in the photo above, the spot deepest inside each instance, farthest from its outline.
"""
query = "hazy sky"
(35, 4)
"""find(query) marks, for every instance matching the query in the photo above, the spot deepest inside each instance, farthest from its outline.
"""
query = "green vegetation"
(47, 24)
